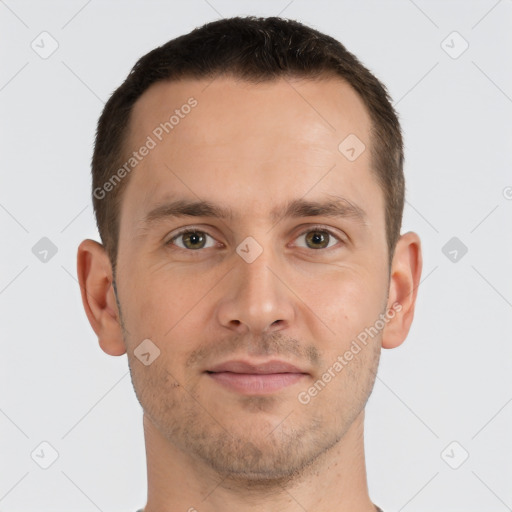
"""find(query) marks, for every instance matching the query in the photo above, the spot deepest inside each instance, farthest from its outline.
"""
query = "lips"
(251, 378)
(256, 368)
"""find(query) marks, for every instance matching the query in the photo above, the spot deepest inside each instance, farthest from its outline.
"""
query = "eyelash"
(308, 230)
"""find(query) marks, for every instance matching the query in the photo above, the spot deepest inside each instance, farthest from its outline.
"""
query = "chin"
(266, 461)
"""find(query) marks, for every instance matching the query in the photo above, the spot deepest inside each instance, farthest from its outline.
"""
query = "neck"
(335, 481)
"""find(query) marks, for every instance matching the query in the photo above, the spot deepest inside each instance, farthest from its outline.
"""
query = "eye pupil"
(318, 237)
(194, 238)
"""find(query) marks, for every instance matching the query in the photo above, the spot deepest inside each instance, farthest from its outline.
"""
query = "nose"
(256, 297)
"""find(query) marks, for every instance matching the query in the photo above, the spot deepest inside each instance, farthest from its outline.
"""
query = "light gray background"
(450, 381)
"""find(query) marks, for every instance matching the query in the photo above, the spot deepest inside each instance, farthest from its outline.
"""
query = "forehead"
(252, 145)
(326, 107)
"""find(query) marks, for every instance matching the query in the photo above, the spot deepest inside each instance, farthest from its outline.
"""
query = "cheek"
(346, 303)
(161, 302)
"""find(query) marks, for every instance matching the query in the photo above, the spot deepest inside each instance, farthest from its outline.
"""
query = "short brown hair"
(253, 49)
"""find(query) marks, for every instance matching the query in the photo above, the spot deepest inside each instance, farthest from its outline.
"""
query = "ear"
(403, 288)
(95, 278)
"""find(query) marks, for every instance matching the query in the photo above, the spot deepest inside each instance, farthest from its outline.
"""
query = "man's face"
(216, 308)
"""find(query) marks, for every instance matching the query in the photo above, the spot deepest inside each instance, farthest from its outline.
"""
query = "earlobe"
(403, 288)
(95, 278)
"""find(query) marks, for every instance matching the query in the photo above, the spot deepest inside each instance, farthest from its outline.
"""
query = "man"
(248, 189)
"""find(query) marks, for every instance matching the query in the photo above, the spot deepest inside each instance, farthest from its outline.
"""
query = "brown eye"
(318, 239)
(192, 240)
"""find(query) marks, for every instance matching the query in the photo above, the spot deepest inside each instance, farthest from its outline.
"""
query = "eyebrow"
(337, 207)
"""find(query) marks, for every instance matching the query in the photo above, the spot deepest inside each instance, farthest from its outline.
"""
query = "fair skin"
(237, 438)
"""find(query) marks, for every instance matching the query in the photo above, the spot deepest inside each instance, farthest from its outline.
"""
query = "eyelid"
(185, 230)
(321, 227)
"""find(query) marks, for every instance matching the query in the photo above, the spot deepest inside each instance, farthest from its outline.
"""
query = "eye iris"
(317, 237)
(194, 238)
